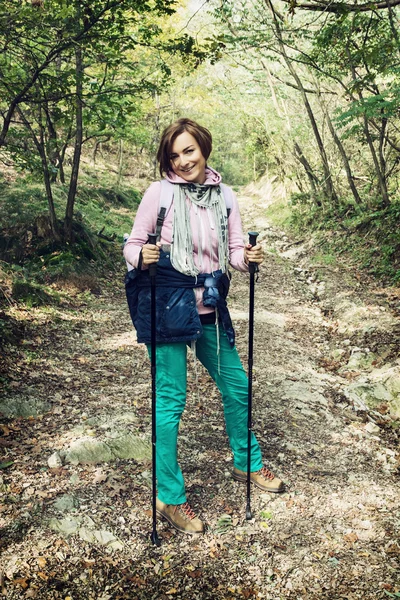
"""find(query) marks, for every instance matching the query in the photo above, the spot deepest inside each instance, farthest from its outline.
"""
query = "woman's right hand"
(150, 254)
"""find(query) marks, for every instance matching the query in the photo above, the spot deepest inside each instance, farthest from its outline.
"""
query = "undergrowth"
(366, 237)
(34, 269)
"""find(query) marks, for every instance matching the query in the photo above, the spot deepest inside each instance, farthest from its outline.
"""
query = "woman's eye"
(190, 151)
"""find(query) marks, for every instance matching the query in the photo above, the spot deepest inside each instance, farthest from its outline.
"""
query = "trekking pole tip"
(155, 539)
(249, 515)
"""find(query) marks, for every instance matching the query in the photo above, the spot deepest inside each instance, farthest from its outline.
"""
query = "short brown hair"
(201, 134)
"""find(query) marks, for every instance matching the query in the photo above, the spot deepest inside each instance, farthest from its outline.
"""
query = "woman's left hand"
(253, 254)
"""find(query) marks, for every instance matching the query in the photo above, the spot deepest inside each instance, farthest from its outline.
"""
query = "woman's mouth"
(187, 169)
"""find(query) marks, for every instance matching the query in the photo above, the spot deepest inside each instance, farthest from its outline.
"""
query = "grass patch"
(327, 258)
(96, 204)
(280, 214)
(366, 238)
(35, 266)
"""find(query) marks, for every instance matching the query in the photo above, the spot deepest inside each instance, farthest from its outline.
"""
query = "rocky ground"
(75, 470)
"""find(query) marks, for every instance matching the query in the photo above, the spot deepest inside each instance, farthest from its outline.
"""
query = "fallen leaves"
(351, 537)
(21, 581)
(99, 476)
(117, 497)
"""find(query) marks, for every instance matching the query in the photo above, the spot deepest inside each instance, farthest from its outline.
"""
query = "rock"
(360, 361)
(130, 446)
(88, 451)
(379, 386)
(66, 526)
(66, 503)
(87, 535)
(54, 461)
(94, 451)
(20, 406)
(302, 394)
(84, 527)
(372, 428)
(106, 538)
(369, 393)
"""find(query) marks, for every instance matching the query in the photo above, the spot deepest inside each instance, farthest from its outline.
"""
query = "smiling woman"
(187, 159)
(184, 143)
(197, 243)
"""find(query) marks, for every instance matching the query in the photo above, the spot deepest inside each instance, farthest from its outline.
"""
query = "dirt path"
(334, 534)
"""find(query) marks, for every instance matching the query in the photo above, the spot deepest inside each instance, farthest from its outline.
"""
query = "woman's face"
(187, 160)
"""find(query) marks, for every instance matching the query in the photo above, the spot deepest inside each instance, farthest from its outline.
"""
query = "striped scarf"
(203, 197)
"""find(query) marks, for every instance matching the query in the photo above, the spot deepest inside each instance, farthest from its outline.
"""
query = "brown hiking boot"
(180, 516)
(263, 479)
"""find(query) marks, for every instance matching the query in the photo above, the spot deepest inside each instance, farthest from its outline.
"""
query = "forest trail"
(333, 535)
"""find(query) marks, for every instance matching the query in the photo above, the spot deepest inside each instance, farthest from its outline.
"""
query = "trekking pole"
(152, 239)
(253, 268)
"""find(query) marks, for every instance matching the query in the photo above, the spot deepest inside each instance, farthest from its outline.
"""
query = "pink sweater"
(145, 222)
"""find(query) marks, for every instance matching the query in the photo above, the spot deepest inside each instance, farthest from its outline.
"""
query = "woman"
(197, 242)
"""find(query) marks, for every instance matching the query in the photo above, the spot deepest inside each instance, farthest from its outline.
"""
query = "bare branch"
(342, 7)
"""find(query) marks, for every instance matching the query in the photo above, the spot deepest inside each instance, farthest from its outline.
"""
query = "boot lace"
(187, 511)
(264, 472)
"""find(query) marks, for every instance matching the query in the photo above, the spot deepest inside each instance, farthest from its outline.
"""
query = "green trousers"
(171, 378)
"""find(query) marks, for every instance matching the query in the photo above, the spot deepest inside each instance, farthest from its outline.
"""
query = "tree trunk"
(342, 151)
(53, 151)
(40, 146)
(120, 162)
(310, 173)
(379, 173)
(298, 152)
(78, 146)
(95, 150)
(156, 133)
(328, 183)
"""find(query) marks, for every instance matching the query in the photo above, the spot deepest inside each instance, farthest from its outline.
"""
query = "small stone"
(54, 461)
(365, 524)
(372, 428)
(66, 526)
(66, 503)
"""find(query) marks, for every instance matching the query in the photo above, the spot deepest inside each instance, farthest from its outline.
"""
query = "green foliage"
(224, 524)
(99, 203)
(107, 58)
(31, 294)
(368, 238)
(266, 514)
(280, 213)
(34, 261)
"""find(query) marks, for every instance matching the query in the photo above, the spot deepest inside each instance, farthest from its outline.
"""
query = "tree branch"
(342, 7)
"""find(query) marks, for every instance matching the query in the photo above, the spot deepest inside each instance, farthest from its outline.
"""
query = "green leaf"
(5, 465)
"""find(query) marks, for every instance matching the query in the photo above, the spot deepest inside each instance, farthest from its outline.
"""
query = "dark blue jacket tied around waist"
(177, 319)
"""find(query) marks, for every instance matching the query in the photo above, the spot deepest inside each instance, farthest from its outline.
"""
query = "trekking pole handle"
(152, 239)
(253, 267)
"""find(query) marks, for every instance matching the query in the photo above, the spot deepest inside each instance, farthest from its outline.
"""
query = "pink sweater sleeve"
(145, 223)
(236, 243)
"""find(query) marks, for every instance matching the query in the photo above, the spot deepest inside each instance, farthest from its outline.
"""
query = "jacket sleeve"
(236, 243)
(145, 223)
